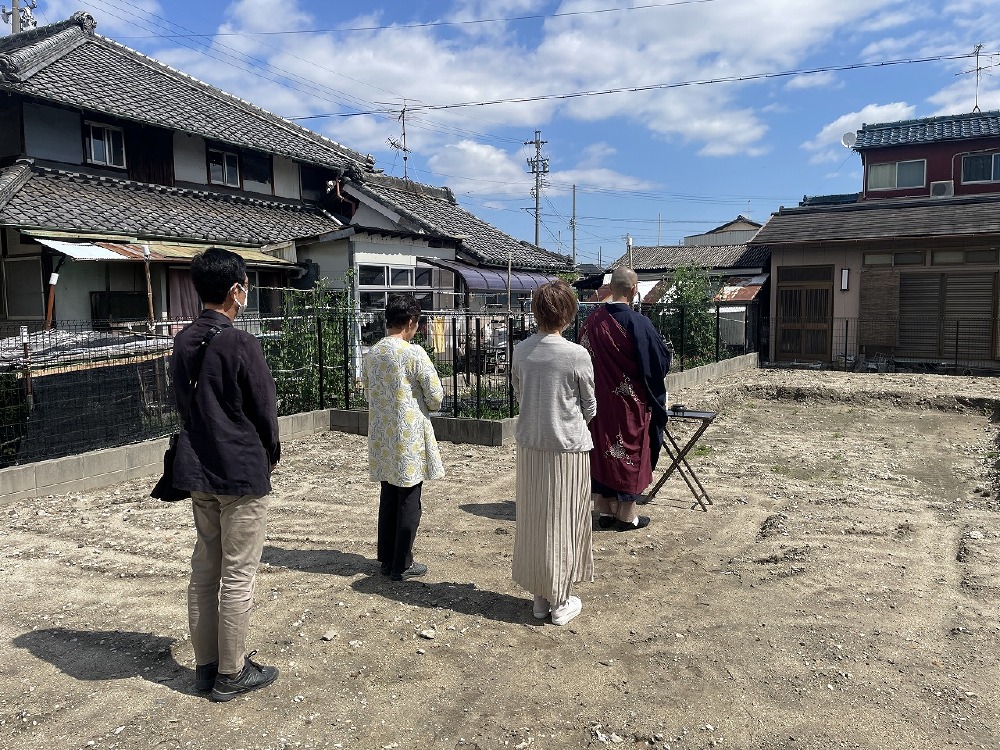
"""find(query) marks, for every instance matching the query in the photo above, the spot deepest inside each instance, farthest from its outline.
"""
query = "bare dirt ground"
(842, 592)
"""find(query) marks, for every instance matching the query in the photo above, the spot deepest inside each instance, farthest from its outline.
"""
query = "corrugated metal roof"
(159, 252)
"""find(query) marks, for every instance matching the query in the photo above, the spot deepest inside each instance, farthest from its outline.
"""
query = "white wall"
(190, 159)
(286, 177)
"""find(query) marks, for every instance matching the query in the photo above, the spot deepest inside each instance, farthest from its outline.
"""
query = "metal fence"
(83, 386)
(935, 344)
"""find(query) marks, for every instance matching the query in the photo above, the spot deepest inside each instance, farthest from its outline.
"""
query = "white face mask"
(241, 305)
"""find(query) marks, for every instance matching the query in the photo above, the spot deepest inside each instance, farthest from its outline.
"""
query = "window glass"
(223, 168)
(981, 256)
(232, 170)
(878, 259)
(881, 176)
(910, 174)
(116, 147)
(911, 258)
(401, 276)
(371, 275)
(98, 148)
(423, 277)
(22, 279)
(977, 168)
(257, 168)
(425, 300)
(372, 300)
(942, 257)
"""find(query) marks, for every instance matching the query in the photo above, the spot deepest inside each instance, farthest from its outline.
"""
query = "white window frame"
(994, 168)
(225, 157)
(895, 176)
(108, 130)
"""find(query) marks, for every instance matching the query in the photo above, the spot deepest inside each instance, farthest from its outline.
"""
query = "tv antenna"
(400, 145)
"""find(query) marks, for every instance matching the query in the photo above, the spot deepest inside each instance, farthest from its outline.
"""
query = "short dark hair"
(554, 305)
(215, 271)
(400, 309)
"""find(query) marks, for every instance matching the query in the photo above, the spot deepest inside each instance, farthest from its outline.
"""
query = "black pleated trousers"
(399, 514)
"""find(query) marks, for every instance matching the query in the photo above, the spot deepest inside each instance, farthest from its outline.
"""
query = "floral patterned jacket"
(403, 387)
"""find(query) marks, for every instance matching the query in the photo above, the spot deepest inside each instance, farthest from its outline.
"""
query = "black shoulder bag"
(164, 489)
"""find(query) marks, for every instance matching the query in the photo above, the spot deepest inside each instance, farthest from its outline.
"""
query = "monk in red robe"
(631, 361)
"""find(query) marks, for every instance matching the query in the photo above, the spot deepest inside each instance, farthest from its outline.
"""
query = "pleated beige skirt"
(553, 538)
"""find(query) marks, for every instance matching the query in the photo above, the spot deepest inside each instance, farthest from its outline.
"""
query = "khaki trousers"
(230, 541)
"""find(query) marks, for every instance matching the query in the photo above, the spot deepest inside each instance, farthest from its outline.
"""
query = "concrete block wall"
(678, 380)
(103, 468)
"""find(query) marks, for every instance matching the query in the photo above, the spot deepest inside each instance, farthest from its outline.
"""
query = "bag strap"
(199, 358)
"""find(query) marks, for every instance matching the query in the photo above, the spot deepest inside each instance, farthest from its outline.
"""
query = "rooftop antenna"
(19, 17)
(401, 146)
(979, 72)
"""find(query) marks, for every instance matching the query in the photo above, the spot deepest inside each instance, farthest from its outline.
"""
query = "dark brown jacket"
(229, 438)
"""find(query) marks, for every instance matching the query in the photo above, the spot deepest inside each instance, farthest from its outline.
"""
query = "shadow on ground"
(464, 598)
(96, 655)
(329, 561)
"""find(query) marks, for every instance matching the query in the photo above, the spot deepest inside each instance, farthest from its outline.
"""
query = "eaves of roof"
(670, 257)
(66, 63)
(928, 130)
(915, 218)
(68, 201)
(436, 212)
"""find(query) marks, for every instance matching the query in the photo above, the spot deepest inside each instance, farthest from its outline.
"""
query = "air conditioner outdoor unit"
(942, 189)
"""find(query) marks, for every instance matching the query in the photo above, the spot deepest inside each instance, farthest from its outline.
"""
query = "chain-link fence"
(83, 386)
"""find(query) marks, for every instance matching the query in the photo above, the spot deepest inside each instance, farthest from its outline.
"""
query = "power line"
(665, 86)
(434, 24)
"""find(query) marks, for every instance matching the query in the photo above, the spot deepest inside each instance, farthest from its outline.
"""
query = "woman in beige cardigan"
(554, 382)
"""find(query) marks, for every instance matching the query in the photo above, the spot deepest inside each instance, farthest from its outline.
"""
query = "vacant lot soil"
(841, 592)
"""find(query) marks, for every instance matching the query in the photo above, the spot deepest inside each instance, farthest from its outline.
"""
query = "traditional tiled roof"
(928, 129)
(56, 199)
(68, 64)
(740, 219)
(436, 211)
(719, 257)
(922, 217)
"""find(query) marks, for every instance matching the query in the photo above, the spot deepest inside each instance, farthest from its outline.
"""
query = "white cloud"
(826, 79)
(827, 145)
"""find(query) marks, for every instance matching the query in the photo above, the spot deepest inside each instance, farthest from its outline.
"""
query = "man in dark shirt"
(225, 454)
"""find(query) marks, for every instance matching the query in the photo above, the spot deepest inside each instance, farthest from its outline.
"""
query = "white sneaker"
(540, 609)
(567, 611)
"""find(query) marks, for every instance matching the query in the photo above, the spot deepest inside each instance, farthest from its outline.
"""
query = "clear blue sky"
(684, 155)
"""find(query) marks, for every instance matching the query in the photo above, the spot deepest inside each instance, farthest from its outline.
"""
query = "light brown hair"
(554, 305)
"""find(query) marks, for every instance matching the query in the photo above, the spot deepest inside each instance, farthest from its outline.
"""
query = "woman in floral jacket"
(403, 388)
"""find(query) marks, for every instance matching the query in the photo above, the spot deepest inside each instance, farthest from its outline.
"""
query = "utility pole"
(539, 166)
(658, 229)
(572, 224)
(19, 18)
(628, 244)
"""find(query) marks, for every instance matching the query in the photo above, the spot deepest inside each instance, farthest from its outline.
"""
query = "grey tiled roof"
(436, 212)
(67, 63)
(926, 217)
(68, 201)
(705, 256)
(928, 129)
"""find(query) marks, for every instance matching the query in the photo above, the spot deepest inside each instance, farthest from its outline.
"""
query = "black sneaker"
(251, 677)
(204, 677)
(414, 571)
(643, 522)
(606, 522)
